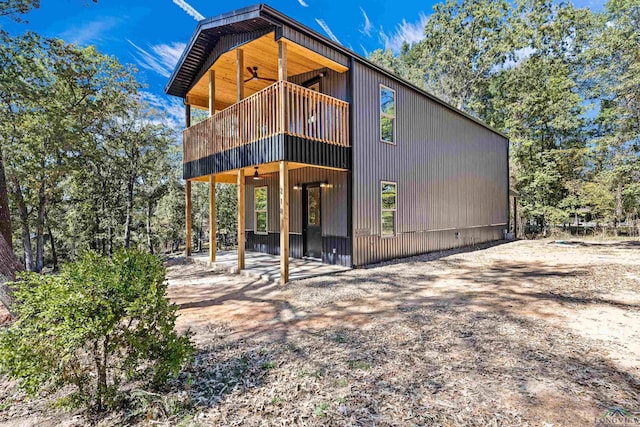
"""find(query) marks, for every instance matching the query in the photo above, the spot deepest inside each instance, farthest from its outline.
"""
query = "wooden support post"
(187, 115)
(188, 218)
(284, 222)
(282, 76)
(212, 218)
(212, 92)
(241, 220)
(282, 60)
(240, 74)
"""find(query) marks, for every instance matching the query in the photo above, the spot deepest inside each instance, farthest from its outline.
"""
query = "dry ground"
(524, 333)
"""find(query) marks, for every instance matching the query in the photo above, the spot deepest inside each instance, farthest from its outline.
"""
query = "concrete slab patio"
(266, 266)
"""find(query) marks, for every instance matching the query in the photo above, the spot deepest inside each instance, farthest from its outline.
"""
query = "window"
(313, 206)
(387, 115)
(260, 209)
(388, 203)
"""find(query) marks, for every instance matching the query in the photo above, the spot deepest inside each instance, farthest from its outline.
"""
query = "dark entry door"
(312, 221)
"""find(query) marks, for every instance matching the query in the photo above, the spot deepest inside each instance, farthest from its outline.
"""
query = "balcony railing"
(282, 108)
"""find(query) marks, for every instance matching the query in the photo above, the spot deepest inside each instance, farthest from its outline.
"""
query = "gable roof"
(261, 17)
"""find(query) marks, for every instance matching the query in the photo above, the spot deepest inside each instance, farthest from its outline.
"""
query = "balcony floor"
(267, 267)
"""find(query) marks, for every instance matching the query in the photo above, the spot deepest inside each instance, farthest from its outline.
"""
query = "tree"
(612, 78)
(99, 322)
(58, 96)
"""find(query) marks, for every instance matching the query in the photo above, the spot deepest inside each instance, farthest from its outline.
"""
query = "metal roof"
(259, 17)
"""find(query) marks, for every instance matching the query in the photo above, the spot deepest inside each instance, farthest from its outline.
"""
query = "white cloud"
(182, 4)
(171, 109)
(327, 30)
(405, 32)
(366, 29)
(90, 32)
(366, 52)
(161, 58)
(303, 3)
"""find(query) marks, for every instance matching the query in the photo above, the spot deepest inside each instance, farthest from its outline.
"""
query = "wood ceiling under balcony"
(261, 53)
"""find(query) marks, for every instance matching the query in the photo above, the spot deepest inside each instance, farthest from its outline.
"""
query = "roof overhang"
(206, 36)
(262, 17)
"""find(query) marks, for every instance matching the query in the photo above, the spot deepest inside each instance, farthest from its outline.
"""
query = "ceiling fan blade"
(250, 70)
(249, 79)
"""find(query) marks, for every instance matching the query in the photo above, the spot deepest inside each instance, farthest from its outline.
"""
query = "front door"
(312, 221)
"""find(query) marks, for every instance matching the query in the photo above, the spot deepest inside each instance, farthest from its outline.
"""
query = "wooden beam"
(282, 76)
(284, 222)
(188, 217)
(309, 55)
(282, 60)
(212, 218)
(212, 92)
(187, 115)
(240, 74)
(241, 220)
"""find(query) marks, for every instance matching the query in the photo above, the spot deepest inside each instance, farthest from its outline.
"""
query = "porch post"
(284, 222)
(240, 74)
(241, 221)
(282, 77)
(212, 92)
(282, 60)
(212, 218)
(188, 217)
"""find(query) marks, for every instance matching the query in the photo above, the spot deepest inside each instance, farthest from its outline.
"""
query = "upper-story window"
(260, 209)
(387, 115)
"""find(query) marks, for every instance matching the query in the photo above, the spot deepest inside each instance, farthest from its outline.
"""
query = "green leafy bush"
(98, 323)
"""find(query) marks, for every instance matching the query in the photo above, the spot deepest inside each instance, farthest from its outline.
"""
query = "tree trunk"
(5, 214)
(110, 240)
(23, 214)
(9, 265)
(54, 254)
(618, 206)
(42, 203)
(149, 241)
(127, 223)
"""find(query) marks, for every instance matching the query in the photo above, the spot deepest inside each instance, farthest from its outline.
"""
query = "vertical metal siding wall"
(334, 200)
(332, 84)
(314, 45)
(452, 174)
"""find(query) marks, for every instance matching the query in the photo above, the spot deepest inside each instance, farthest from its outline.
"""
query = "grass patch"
(321, 409)
(359, 364)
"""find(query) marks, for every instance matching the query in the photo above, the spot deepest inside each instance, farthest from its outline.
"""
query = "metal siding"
(332, 84)
(275, 148)
(313, 45)
(452, 174)
(334, 200)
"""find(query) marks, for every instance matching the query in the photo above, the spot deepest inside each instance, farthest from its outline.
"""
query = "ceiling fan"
(254, 75)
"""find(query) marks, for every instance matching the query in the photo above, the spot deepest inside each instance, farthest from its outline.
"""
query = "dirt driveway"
(521, 333)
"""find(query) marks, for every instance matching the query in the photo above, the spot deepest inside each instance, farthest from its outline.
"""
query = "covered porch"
(277, 113)
(266, 266)
(292, 221)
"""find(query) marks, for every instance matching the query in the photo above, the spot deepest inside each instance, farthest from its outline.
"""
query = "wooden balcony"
(283, 108)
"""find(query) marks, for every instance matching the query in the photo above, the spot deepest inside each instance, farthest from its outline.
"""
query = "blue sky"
(152, 33)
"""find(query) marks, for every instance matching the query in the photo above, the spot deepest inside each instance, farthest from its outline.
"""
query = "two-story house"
(334, 158)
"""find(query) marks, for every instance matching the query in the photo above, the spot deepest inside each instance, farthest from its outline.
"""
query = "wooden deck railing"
(282, 108)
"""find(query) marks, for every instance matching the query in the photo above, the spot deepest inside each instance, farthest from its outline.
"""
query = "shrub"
(96, 324)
